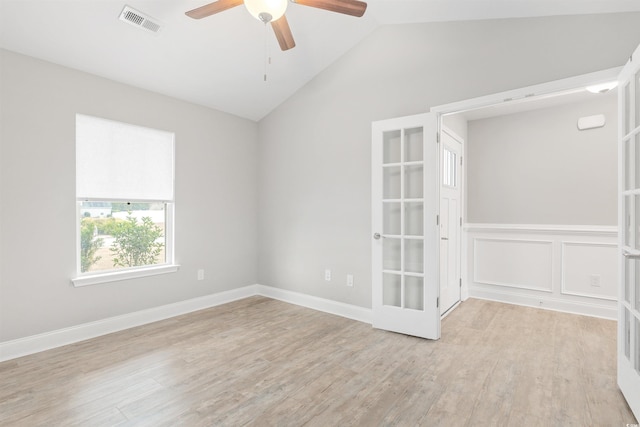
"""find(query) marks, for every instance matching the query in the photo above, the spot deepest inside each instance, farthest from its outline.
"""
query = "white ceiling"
(219, 61)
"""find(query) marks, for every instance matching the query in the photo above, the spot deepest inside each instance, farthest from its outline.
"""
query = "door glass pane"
(632, 282)
(391, 147)
(628, 170)
(636, 226)
(413, 182)
(413, 145)
(449, 168)
(627, 216)
(391, 289)
(627, 334)
(391, 183)
(414, 293)
(391, 254)
(391, 218)
(637, 99)
(629, 272)
(637, 345)
(413, 255)
(635, 151)
(627, 108)
(413, 218)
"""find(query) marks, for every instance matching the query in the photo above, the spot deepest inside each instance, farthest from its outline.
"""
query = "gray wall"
(314, 171)
(216, 172)
(536, 167)
(456, 123)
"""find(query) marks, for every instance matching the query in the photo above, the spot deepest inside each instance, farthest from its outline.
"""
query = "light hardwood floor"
(267, 363)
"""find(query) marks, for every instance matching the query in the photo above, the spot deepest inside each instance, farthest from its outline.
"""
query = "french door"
(629, 233)
(405, 280)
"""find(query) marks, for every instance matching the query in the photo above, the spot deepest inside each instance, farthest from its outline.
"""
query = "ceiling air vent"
(139, 19)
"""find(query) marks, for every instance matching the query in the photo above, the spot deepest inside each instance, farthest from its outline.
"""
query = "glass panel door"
(629, 234)
(403, 174)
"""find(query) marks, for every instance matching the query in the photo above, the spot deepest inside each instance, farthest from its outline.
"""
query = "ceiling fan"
(273, 11)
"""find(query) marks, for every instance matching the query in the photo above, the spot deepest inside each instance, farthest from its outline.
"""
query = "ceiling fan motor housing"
(266, 10)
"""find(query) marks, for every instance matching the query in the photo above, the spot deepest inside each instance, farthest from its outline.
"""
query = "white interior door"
(629, 234)
(405, 232)
(450, 220)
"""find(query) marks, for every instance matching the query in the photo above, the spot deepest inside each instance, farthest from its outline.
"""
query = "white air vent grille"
(139, 19)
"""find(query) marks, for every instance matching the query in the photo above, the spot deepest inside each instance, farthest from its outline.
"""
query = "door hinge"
(460, 221)
(437, 137)
(438, 302)
(461, 282)
(437, 219)
(460, 160)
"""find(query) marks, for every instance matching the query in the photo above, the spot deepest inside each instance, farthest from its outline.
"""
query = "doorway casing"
(521, 95)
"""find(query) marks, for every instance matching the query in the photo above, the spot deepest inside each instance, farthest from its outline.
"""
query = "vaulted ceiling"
(220, 61)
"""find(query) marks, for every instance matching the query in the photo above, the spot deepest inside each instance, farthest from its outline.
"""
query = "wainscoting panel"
(590, 270)
(513, 263)
(564, 268)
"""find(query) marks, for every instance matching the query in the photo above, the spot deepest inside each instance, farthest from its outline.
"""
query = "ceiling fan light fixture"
(266, 10)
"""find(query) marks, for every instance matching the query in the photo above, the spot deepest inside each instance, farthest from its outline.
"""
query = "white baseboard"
(604, 311)
(58, 338)
(349, 311)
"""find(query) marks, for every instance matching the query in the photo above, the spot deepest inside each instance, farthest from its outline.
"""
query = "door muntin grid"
(403, 218)
(630, 194)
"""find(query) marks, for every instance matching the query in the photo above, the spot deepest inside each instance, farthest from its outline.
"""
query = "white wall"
(216, 222)
(536, 167)
(314, 171)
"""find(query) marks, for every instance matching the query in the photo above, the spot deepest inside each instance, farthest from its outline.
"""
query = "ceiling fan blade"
(283, 33)
(347, 7)
(213, 8)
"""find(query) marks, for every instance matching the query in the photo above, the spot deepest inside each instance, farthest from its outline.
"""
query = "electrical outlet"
(594, 280)
(201, 274)
(327, 275)
(349, 279)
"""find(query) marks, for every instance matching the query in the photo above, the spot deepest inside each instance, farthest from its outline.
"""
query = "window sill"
(114, 276)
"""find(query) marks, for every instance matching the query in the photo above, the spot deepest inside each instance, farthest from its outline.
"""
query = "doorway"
(513, 248)
(395, 246)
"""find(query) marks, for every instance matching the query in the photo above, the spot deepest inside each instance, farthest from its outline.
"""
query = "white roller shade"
(119, 161)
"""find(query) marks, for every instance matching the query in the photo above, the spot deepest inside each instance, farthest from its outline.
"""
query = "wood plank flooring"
(262, 362)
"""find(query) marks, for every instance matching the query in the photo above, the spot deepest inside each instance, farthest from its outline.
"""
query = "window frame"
(125, 273)
(168, 265)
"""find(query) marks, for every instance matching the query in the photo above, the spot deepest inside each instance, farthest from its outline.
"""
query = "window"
(125, 201)
(449, 168)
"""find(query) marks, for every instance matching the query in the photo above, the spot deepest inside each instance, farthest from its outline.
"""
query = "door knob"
(376, 236)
